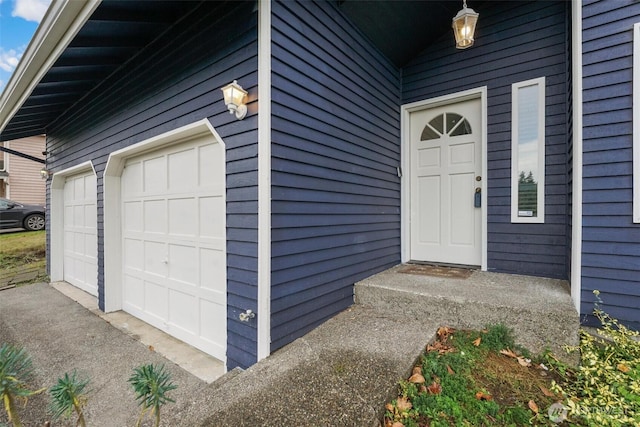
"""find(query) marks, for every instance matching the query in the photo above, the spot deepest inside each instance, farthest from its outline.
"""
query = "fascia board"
(58, 27)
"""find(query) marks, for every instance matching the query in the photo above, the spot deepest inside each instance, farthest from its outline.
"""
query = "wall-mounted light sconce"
(234, 99)
(464, 26)
(44, 173)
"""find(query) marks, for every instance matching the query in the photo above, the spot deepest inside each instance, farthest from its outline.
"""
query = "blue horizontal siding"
(335, 189)
(611, 241)
(515, 41)
(176, 81)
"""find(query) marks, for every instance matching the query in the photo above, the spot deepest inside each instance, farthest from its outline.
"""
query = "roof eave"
(57, 29)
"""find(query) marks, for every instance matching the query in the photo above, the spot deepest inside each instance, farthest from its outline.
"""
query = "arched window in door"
(451, 124)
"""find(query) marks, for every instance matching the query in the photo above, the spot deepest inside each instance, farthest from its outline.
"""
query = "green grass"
(463, 379)
(22, 250)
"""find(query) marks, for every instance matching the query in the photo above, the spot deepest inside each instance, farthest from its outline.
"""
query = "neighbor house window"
(3, 159)
(636, 122)
(527, 151)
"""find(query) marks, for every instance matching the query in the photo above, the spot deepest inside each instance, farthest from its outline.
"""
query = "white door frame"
(112, 201)
(405, 180)
(56, 218)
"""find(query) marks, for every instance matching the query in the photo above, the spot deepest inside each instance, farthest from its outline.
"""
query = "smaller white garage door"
(173, 227)
(80, 239)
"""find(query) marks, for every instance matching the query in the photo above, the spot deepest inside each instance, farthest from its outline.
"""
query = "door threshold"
(444, 264)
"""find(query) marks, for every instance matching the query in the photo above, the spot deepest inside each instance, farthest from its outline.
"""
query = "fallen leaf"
(483, 396)
(477, 341)
(508, 352)
(151, 348)
(450, 370)
(423, 389)
(546, 391)
(533, 406)
(434, 388)
(389, 407)
(417, 370)
(416, 379)
(444, 332)
(397, 424)
(403, 404)
(439, 347)
(623, 368)
(524, 362)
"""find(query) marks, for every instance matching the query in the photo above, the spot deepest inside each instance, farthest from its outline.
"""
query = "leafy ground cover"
(473, 378)
(20, 252)
(481, 378)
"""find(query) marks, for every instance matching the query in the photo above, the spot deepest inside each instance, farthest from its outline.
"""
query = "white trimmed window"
(636, 123)
(527, 151)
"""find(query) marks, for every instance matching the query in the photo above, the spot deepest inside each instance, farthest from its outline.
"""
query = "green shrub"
(15, 370)
(605, 389)
(68, 395)
(151, 384)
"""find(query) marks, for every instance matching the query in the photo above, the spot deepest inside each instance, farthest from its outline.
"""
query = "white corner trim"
(636, 122)
(405, 161)
(60, 24)
(56, 217)
(576, 190)
(111, 197)
(264, 179)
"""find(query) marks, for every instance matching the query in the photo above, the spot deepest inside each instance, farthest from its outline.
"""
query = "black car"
(18, 215)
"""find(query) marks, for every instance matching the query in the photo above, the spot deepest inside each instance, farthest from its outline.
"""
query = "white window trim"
(540, 81)
(636, 123)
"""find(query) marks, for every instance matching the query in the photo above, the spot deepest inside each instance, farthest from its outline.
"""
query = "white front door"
(445, 154)
(80, 265)
(174, 247)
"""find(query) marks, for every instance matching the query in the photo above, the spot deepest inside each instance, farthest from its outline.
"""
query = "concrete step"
(539, 310)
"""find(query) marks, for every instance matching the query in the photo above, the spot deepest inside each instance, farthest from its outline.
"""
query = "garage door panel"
(131, 179)
(182, 173)
(212, 213)
(179, 235)
(155, 176)
(155, 216)
(155, 258)
(133, 291)
(183, 312)
(182, 260)
(214, 317)
(155, 299)
(183, 217)
(133, 254)
(80, 267)
(211, 263)
(132, 216)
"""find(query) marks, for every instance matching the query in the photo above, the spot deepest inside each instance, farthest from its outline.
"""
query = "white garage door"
(173, 227)
(80, 242)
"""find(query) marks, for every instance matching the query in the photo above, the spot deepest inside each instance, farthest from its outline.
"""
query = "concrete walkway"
(339, 374)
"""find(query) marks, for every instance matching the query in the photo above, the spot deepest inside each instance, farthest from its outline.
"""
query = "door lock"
(477, 198)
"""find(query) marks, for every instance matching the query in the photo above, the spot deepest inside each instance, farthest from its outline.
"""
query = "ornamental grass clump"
(151, 384)
(67, 396)
(15, 370)
(605, 389)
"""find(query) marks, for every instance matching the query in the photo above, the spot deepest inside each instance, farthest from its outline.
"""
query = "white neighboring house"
(20, 178)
